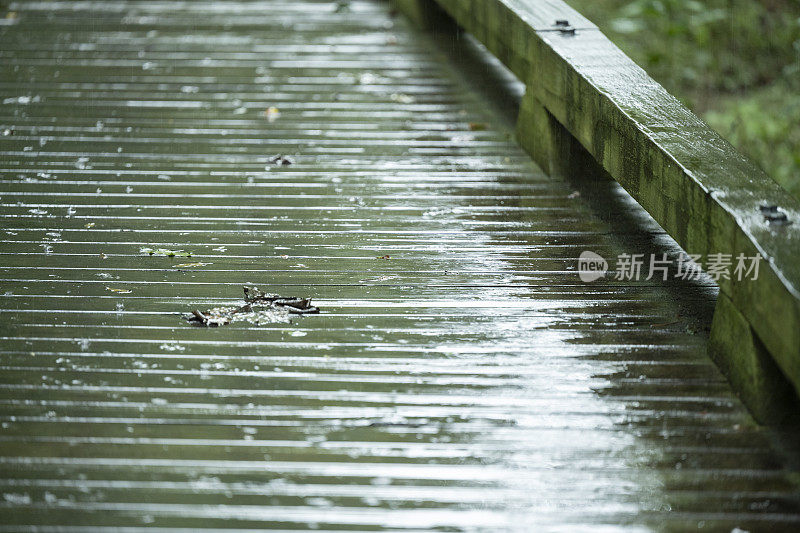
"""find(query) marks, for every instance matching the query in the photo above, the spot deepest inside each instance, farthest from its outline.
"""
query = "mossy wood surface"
(704, 193)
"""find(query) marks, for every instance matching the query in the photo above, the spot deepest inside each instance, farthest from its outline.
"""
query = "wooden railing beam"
(580, 88)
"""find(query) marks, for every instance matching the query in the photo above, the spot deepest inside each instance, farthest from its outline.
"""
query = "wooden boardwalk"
(460, 377)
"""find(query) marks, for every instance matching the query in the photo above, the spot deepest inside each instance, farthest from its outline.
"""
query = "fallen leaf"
(272, 114)
(384, 257)
(121, 291)
(209, 319)
(259, 308)
(166, 252)
(252, 295)
(280, 160)
(477, 126)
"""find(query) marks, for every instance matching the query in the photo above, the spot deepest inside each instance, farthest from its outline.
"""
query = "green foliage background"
(734, 62)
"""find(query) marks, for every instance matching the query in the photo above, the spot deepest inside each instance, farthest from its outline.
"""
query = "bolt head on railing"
(773, 215)
(563, 26)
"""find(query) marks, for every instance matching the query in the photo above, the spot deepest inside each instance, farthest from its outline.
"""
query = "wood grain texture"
(468, 382)
(695, 184)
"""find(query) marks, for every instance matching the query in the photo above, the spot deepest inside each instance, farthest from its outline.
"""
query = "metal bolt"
(564, 27)
(773, 215)
(780, 219)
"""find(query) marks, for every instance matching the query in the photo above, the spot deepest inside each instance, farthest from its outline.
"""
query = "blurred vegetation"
(734, 62)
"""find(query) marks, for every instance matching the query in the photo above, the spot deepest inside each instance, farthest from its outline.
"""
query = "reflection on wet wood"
(458, 377)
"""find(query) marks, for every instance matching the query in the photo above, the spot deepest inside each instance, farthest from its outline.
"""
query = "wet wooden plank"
(705, 194)
(468, 381)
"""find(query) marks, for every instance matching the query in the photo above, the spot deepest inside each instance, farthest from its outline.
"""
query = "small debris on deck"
(120, 291)
(280, 160)
(272, 114)
(165, 252)
(259, 308)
